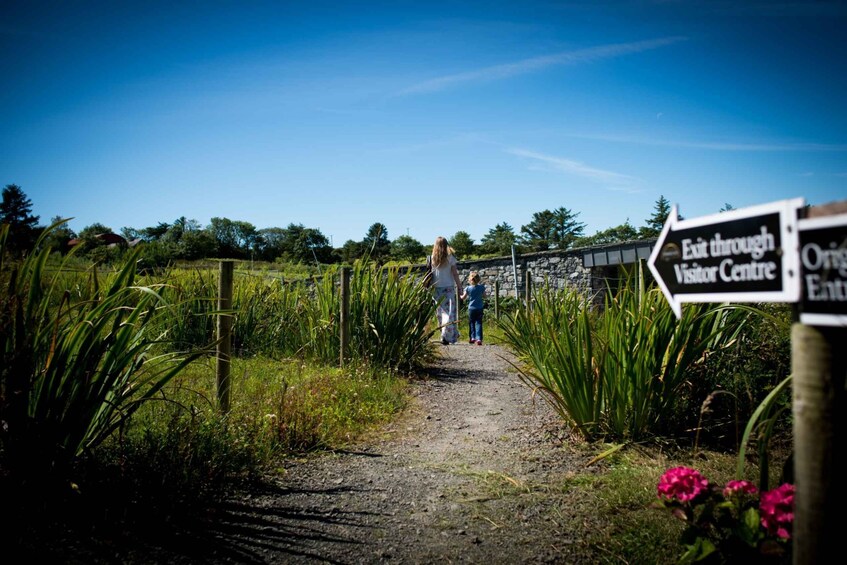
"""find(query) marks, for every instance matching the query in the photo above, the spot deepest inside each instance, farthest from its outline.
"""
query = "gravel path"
(472, 473)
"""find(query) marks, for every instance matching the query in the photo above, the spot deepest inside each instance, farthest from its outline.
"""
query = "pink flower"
(739, 487)
(682, 483)
(777, 510)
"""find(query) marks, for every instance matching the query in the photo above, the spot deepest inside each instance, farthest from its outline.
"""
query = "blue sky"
(430, 117)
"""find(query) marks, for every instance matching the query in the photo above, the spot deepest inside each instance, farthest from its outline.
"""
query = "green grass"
(178, 452)
(284, 406)
(148, 439)
(492, 330)
(605, 509)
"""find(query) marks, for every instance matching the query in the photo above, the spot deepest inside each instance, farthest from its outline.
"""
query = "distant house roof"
(107, 238)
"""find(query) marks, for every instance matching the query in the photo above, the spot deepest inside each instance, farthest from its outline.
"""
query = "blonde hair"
(473, 277)
(440, 251)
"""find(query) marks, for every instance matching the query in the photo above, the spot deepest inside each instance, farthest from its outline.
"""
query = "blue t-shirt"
(475, 294)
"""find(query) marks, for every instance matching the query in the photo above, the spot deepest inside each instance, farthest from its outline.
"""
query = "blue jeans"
(475, 323)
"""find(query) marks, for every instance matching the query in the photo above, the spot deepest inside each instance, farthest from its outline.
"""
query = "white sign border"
(817, 318)
(789, 239)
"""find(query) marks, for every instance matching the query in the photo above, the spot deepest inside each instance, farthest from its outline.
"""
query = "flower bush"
(730, 523)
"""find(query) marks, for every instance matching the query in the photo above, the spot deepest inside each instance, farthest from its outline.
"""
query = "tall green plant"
(72, 373)
(389, 317)
(391, 314)
(192, 298)
(557, 339)
(760, 427)
(652, 353)
(618, 372)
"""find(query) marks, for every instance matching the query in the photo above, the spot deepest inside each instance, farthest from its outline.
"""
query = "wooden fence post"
(819, 365)
(528, 289)
(344, 315)
(224, 348)
(497, 299)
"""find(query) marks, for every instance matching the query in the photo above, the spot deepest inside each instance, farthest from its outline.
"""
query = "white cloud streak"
(725, 146)
(615, 181)
(534, 64)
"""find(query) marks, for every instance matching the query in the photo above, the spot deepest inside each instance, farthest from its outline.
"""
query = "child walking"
(474, 294)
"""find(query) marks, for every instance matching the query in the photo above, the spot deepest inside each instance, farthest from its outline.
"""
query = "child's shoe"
(479, 342)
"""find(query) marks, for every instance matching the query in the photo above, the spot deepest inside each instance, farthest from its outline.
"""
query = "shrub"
(729, 523)
(619, 372)
(72, 369)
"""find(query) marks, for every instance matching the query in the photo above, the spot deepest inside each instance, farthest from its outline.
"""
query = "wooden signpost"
(819, 397)
(769, 253)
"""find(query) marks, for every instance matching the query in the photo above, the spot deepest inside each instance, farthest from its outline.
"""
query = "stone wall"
(558, 269)
(554, 268)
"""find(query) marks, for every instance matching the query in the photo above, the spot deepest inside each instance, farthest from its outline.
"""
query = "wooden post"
(515, 272)
(497, 299)
(819, 369)
(528, 289)
(344, 316)
(819, 366)
(224, 348)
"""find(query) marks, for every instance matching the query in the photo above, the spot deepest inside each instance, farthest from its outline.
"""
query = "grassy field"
(109, 400)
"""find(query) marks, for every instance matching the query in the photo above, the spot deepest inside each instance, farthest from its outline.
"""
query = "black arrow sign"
(744, 255)
(823, 256)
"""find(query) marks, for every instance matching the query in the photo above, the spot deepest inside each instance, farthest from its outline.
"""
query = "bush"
(619, 372)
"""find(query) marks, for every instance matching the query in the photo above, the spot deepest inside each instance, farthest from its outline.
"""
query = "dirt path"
(471, 474)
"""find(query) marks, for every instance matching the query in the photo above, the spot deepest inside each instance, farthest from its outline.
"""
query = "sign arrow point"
(676, 305)
(743, 255)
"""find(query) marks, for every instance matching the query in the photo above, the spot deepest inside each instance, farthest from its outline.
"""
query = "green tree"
(164, 243)
(271, 243)
(566, 228)
(462, 244)
(16, 210)
(407, 248)
(155, 233)
(376, 242)
(656, 222)
(88, 237)
(538, 234)
(100, 244)
(234, 239)
(157, 254)
(499, 240)
(179, 228)
(351, 250)
(617, 234)
(196, 244)
(296, 243)
(58, 238)
(152, 233)
(183, 239)
(130, 233)
(548, 229)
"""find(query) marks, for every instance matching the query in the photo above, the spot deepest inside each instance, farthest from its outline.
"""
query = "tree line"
(186, 239)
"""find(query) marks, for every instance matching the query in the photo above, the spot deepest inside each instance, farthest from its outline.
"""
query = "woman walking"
(445, 281)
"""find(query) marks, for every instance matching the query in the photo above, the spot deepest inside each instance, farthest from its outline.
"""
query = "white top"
(442, 277)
